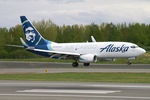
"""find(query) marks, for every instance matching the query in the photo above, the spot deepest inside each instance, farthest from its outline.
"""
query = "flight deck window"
(133, 46)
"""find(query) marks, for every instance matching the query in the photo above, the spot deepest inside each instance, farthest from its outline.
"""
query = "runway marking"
(82, 96)
(68, 91)
(120, 86)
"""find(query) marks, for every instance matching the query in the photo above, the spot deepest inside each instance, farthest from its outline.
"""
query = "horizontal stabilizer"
(18, 46)
(23, 42)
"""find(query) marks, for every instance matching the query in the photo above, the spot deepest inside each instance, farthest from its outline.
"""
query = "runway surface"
(42, 90)
(35, 67)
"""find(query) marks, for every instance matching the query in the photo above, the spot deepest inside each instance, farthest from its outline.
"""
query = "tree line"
(134, 32)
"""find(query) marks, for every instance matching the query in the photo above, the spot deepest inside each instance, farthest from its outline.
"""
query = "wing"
(58, 54)
(19, 46)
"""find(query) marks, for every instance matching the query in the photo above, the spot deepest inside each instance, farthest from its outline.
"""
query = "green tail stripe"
(38, 41)
(25, 21)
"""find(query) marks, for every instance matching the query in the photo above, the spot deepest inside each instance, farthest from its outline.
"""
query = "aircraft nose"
(142, 50)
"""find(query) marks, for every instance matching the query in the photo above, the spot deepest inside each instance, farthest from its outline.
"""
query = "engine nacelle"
(88, 58)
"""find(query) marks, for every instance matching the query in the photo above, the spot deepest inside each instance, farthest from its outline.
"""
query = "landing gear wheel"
(86, 64)
(75, 64)
(129, 63)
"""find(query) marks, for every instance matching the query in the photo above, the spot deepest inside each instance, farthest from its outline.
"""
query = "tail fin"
(33, 37)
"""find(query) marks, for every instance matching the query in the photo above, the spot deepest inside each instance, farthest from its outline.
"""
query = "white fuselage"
(101, 49)
(83, 52)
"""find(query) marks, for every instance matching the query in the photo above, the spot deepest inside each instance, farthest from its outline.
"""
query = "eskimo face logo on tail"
(112, 48)
(30, 35)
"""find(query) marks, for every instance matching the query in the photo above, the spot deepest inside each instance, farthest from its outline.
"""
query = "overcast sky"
(70, 12)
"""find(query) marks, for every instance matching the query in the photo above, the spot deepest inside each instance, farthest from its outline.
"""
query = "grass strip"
(81, 77)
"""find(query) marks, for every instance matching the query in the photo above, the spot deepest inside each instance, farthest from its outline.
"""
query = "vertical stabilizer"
(32, 36)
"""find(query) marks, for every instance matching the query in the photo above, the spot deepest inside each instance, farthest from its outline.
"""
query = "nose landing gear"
(129, 63)
(129, 59)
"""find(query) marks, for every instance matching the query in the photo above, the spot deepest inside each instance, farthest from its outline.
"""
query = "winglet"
(93, 39)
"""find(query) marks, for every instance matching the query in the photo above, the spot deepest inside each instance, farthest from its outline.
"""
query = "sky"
(71, 12)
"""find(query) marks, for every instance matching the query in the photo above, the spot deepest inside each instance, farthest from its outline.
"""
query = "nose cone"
(142, 51)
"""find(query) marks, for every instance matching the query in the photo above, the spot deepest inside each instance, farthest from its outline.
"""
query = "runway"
(40, 67)
(43, 90)
(21, 64)
(46, 90)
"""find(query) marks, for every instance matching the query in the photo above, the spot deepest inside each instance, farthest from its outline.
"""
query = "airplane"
(85, 52)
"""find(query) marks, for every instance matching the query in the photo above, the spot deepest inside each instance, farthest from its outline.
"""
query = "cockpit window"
(133, 46)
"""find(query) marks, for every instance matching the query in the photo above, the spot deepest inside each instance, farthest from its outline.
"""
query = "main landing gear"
(75, 64)
(86, 64)
(129, 63)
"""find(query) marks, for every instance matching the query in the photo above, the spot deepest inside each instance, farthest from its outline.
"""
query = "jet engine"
(88, 58)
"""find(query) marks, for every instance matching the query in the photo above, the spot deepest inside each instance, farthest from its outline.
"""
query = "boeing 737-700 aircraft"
(86, 53)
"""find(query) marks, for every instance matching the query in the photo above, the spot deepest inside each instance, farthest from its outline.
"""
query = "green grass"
(144, 59)
(37, 60)
(82, 77)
